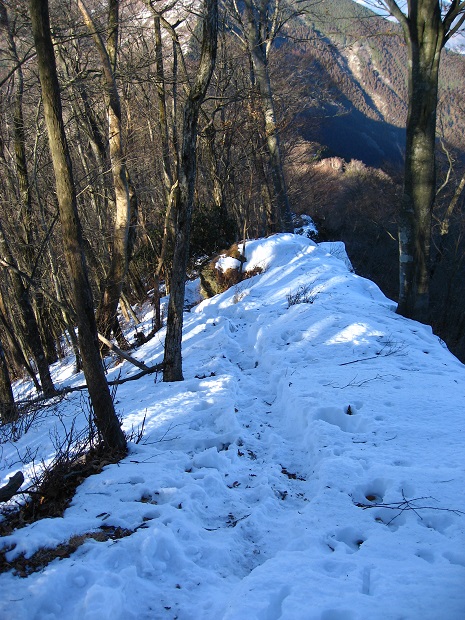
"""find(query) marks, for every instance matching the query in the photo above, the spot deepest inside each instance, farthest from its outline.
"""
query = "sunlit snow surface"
(243, 492)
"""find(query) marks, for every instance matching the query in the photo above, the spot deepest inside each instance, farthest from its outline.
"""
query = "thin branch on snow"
(405, 505)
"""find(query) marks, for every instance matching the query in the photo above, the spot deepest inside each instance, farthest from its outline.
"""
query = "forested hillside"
(364, 57)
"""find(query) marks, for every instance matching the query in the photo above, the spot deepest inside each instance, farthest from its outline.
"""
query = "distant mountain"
(363, 59)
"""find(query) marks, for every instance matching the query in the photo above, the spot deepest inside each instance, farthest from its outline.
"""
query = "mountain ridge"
(365, 56)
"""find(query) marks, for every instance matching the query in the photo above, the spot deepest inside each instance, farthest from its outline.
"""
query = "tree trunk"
(49, 335)
(106, 418)
(162, 114)
(215, 174)
(15, 347)
(424, 40)
(258, 53)
(427, 26)
(445, 223)
(29, 322)
(19, 134)
(7, 402)
(67, 322)
(169, 168)
(107, 312)
(183, 204)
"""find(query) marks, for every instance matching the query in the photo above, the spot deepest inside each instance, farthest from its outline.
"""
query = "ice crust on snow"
(246, 493)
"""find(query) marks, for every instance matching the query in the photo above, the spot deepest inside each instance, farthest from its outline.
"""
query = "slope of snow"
(310, 466)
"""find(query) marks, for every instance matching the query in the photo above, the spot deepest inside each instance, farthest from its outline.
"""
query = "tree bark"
(29, 322)
(19, 134)
(15, 347)
(184, 201)
(105, 416)
(170, 169)
(445, 223)
(162, 111)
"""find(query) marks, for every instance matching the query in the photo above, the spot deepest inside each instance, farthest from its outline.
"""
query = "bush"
(214, 280)
(305, 294)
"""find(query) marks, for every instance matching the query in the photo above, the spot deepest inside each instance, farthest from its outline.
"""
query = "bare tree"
(169, 167)
(19, 193)
(106, 418)
(106, 318)
(261, 22)
(27, 319)
(18, 128)
(185, 191)
(427, 26)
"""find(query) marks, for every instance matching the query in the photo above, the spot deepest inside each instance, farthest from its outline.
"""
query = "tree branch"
(150, 370)
(456, 7)
(31, 282)
(123, 354)
(395, 11)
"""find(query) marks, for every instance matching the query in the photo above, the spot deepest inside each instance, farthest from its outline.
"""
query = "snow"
(224, 263)
(273, 482)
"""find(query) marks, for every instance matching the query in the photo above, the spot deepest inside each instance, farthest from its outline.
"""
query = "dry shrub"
(29, 413)
(214, 281)
(78, 455)
(224, 280)
(23, 566)
(227, 279)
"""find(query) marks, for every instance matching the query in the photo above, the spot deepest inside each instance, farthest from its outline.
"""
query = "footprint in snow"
(426, 554)
(372, 492)
(351, 538)
(346, 418)
(455, 558)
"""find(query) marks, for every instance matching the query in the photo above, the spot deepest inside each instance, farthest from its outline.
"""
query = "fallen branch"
(354, 383)
(7, 491)
(123, 354)
(389, 348)
(41, 400)
(407, 504)
(149, 370)
(363, 359)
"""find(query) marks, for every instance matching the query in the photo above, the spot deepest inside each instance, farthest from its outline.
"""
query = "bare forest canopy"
(338, 79)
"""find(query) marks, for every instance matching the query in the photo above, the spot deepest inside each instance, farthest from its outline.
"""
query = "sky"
(309, 467)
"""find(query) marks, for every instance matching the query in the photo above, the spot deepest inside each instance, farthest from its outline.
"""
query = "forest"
(181, 144)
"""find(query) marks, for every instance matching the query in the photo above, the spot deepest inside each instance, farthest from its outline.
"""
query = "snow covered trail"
(310, 467)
